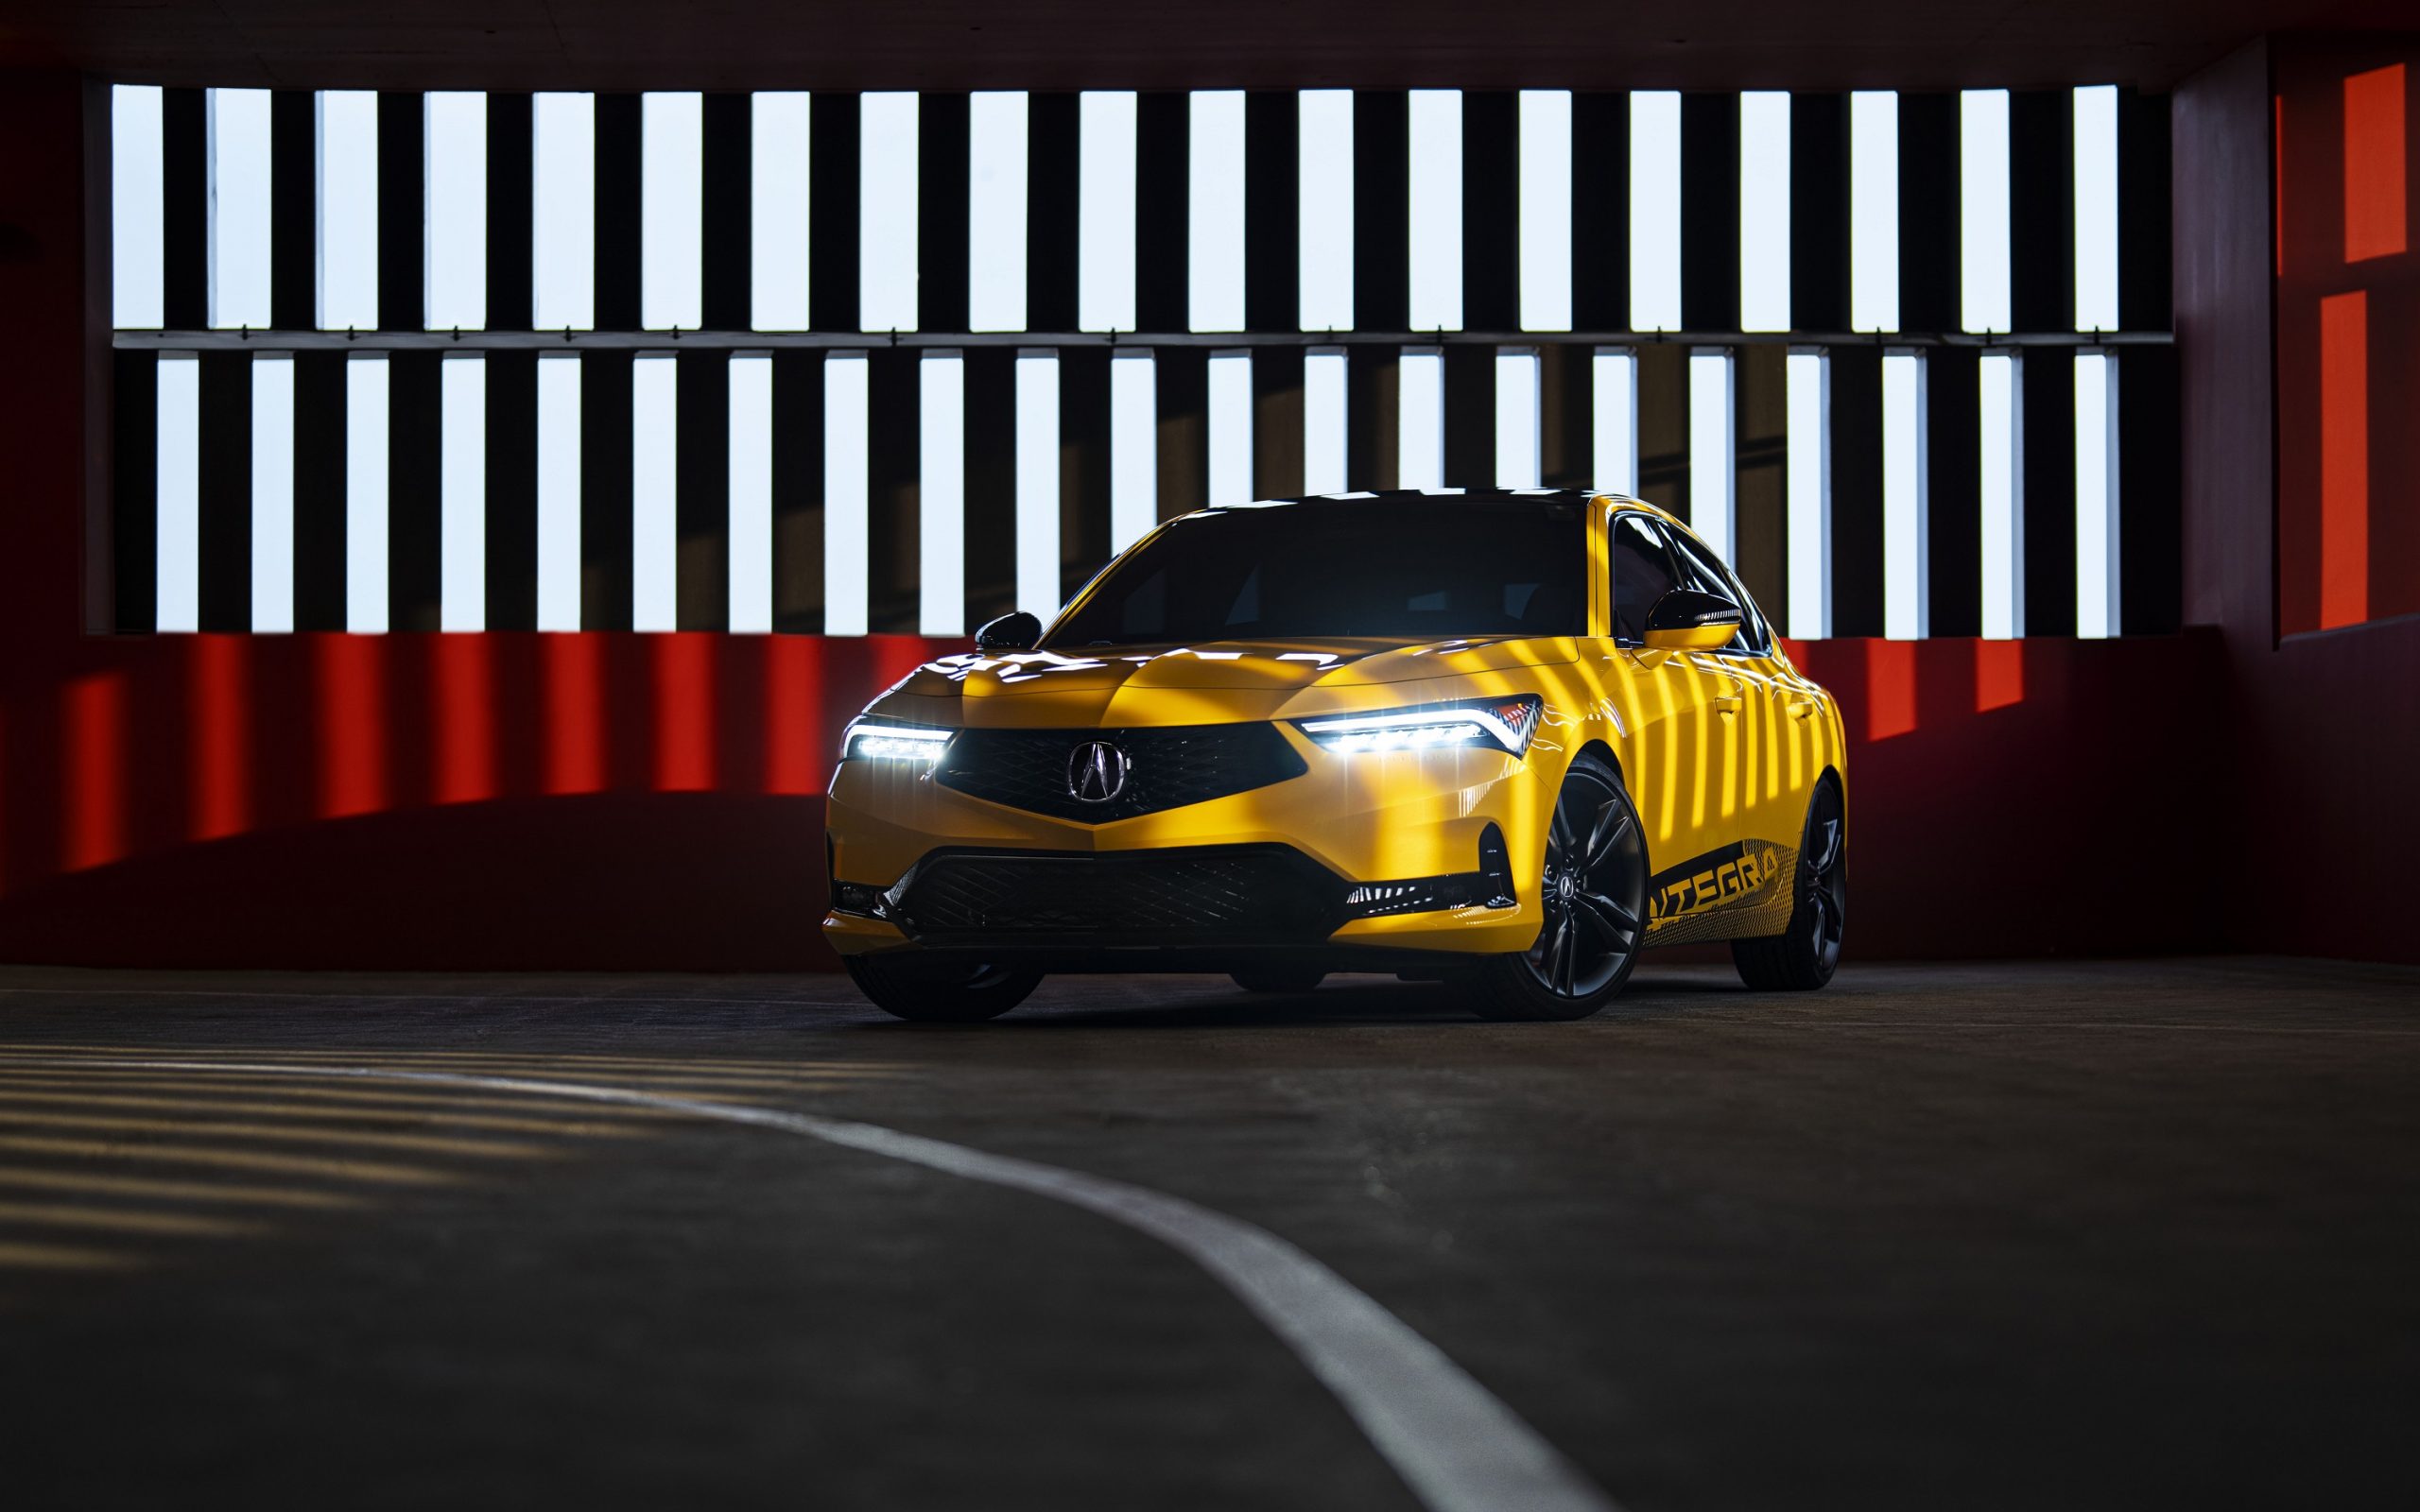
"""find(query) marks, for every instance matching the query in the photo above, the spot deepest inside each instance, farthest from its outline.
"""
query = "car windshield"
(1416, 569)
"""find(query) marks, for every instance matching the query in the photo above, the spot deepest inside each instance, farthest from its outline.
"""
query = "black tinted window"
(1642, 573)
(1426, 569)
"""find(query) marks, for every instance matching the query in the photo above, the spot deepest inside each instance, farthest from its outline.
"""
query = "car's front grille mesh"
(1167, 769)
(1259, 893)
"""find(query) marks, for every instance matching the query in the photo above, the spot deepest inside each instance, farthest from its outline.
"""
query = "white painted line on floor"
(1457, 1448)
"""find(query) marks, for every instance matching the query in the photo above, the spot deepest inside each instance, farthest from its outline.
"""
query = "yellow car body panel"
(1720, 750)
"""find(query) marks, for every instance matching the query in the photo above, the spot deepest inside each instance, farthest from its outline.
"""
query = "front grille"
(1262, 894)
(1167, 769)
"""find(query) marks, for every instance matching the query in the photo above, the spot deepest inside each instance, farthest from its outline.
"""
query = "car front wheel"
(940, 991)
(1594, 895)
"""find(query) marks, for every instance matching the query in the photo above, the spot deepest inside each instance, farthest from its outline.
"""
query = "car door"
(1764, 796)
(1676, 747)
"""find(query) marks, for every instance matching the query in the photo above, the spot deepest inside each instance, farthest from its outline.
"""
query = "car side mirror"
(1019, 631)
(1686, 620)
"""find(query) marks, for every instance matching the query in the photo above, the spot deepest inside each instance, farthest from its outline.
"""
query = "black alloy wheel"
(1807, 951)
(944, 991)
(1593, 893)
(1278, 979)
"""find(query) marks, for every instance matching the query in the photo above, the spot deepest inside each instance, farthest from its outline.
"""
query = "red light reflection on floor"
(92, 770)
(575, 713)
(2373, 164)
(797, 757)
(2000, 674)
(221, 708)
(2343, 459)
(684, 713)
(1890, 688)
(351, 673)
(463, 700)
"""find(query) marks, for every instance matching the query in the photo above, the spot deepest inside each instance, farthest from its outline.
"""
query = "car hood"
(1195, 684)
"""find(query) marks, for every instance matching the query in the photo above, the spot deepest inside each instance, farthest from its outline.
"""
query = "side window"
(1708, 575)
(1642, 573)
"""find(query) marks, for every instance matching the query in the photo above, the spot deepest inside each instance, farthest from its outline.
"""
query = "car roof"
(1476, 498)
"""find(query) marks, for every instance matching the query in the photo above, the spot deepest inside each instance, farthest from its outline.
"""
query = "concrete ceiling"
(1072, 43)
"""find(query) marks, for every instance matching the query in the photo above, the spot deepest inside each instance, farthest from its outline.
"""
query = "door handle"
(1727, 702)
(1802, 707)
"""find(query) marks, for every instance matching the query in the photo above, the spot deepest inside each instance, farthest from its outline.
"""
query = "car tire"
(1593, 891)
(1807, 951)
(1278, 979)
(928, 992)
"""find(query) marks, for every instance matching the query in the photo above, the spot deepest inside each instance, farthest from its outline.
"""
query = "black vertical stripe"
(1083, 466)
(319, 445)
(832, 211)
(1857, 490)
(1491, 211)
(620, 130)
(400, 208)
(1760, 518)
(511, 204)
(1470, 417)
(1273, 212)
(1381, 212)
(1954, 501)
(1599, 212)
(991, 484)
(724, 252)
(134, 530)
(1181, 381)
(2143, 226)
(941, 178)
(226, 549)
(2042, 216)
(1373, 414)
(185, 209)
(1710, 211)
(702, 491)
(511, 487)
(1663, 399)
(605, 546)
(1819, 211)
(293, 220)
(894, 517)
(1566, 417)
(1276, 421)
(2050, 492)
(1052, 147)
(1930, 251)
(2149, 502)
(797, 492)
(1163, 147)
(415, 523)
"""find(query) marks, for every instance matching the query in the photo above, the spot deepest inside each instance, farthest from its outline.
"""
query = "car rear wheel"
(1806, 954)
(1594, 893)
(940, 991)
(1278, 979)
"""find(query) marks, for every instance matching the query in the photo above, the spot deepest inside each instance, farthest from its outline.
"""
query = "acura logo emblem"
(1096, 772)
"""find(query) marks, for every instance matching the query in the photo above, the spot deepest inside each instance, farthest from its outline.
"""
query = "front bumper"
(1373, 851)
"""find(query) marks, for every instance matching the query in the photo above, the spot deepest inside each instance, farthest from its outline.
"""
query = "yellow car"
(1503, 739)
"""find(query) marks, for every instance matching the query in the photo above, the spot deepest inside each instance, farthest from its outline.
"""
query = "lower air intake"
(1260, 894)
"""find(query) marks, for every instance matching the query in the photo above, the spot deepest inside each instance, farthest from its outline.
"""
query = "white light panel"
(1133, 448)
(844, 493)
(137, 198)
(1546, 210)
(1435, 209)
(454, 140)
(751, 492)
(1764, 210)
(886, 123)
(1324, 208)
(345, 134)
(1874, 210)
(1654, 210)
(1516, 418)
(671, 210)
(2096, 181)
(996, 210)
(1807, 383)
(1420, 422)
(781, 125)
(1713, 459)
(273, 494)
(562, 211)
(2097, 604)
(178, 585)
(1615, 418)
(238, 149)
(1105, 211)
(1230, 427)
(365, 493)
(1906, 499)
(940, 493)
(558, 474)
(2002, 456)
(462, 493)
(1215, 221)
(1985, 300)
(655, 523)
(1323, 420)
(1038, 591)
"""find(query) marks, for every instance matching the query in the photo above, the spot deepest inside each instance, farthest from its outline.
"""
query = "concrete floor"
(2077, 1235)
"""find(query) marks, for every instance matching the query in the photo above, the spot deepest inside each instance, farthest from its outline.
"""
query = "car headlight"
(1505, 724)
(873, 740)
